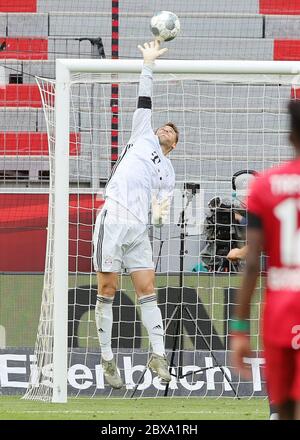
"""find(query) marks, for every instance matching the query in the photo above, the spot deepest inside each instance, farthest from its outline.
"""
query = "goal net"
(232, 118)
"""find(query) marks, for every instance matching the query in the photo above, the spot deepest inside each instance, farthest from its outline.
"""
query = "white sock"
(152, 320)
(104, 322)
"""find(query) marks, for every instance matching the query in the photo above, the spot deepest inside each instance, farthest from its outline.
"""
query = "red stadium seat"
(24, 48)
(279, 7)
(287, 50)
(32, 144)
(20, 95)
(18, 5)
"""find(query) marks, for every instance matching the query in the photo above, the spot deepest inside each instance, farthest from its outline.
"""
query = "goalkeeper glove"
(151, 51)
(160, 211)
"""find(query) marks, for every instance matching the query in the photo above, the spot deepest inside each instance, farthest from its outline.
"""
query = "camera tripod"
(182, 308)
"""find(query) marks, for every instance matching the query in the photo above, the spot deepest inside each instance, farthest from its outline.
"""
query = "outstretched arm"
(142, 116)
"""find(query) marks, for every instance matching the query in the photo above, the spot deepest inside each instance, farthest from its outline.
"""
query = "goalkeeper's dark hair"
(170, 124)
(294, 111)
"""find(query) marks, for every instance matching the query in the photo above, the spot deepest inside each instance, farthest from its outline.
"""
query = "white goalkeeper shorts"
(120, 241)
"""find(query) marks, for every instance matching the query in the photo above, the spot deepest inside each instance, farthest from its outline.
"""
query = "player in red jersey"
(274, 224)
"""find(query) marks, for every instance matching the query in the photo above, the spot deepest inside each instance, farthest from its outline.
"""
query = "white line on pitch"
(118, 412)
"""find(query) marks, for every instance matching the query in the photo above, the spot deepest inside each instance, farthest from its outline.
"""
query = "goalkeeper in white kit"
(143, 178)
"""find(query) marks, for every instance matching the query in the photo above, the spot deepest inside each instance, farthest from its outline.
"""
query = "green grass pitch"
(13, 408)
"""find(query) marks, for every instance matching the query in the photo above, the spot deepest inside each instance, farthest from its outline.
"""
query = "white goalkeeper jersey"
(142, 169)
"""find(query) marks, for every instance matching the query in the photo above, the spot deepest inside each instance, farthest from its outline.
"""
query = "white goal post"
(65, 68)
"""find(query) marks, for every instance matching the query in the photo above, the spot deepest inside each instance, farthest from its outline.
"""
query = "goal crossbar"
(177, 66)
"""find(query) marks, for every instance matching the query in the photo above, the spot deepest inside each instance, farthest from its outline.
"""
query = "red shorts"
(282, 373)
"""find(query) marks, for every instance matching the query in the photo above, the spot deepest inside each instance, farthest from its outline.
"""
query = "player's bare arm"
(237, 253)
(241, 341)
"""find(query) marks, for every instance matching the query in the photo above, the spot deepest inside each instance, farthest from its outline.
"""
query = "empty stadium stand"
(33, 33)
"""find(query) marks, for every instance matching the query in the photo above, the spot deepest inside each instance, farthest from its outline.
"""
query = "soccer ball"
(165, 25)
